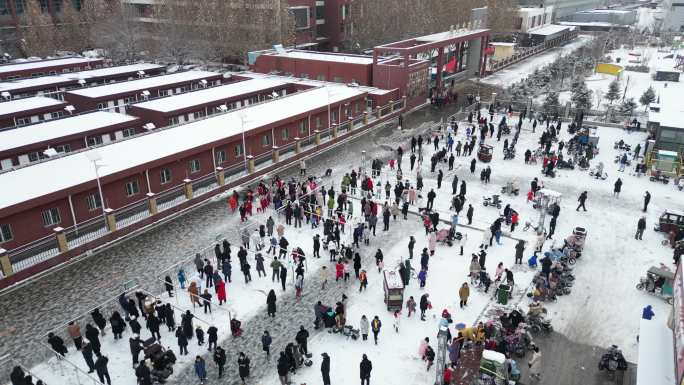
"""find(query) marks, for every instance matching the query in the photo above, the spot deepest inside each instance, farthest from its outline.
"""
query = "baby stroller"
(348, 331)
(235, 328)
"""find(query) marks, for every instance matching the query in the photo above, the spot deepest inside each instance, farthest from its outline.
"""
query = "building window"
(318, 122)
(51, 217)
(165, 176)
(36, 156)
(94, 140)
(220, 156)
(101, 106)
(5, 233)
(19, 6)
(265, 141)
(333, 117)
(199, 114)
(173, 121)
(94, 201)
(132, 188)
(23, 121)
(63, 148)
(303, 127)
(128, 132)
(320, 77)
(194, 166)
(56, 115)
(4, 9)
(238, 150)
(284, 135)
(301, 17)
(338, 79)
(357, 108)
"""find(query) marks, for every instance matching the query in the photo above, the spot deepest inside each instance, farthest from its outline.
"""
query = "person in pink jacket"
(432, 242)
(423, 347)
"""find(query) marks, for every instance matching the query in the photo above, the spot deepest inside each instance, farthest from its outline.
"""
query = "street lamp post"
(94, 157)
(244, 142)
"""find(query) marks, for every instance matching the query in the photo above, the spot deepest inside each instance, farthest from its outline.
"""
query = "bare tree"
(37, 31)
(502, 16)
(74, 33)
(116, 30)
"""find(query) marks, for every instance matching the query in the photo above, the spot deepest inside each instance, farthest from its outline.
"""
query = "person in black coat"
(87, 352)
(519, 249)
(182, 341)
(472, 166)
(243, 366)
(135, 325)
(283, 276)
(153, 325)
(431, 198)
(186, 324)
(142, 373)
(17, 376)
(546, 266)
(57, 344)
(102, 371)
(283, 367)
(168, 284)
(271, 303)
(99, 320)
(92, 334)
(462, 190)
(641, 226)
(302, 337)
(325, 368)
(118, 325)
(169, 317)
(133, 308)
(617, 187)
(136, 346)
(220, 359)
(365, 369)
(212, 334)
(582, 199)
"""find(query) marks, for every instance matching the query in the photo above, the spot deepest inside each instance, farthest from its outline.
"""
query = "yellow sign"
(608, 68)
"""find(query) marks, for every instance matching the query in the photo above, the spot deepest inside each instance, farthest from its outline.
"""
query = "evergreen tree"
(613, 93)
(581, 95)
(628, 106)
(551, 103)
(648, 97)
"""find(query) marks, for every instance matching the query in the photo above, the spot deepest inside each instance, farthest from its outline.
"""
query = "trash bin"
(502, 294)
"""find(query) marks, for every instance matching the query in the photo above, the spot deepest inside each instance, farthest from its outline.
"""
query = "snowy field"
(604, 307)
(632, 84)
(517, 72)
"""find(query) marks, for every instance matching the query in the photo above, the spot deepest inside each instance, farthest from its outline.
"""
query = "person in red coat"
(232, 202)
(221, 291)
(339, 270)
(514, 220)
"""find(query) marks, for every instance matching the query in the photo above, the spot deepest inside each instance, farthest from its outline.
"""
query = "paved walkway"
(46, 302)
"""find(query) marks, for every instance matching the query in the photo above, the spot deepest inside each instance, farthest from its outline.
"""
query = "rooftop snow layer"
(213, 94)
(113, 71)
(550, 29)
(19, 105)
(449, 35)
(656, 353)
(44, 64)
(53, 129)
(142, 84)
(43, 81)
(354, 59)
(40, 179)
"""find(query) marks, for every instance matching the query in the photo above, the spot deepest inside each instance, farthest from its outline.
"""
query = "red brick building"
(21, 112)
(32, 69)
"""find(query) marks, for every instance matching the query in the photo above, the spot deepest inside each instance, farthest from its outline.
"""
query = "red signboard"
(679, 324)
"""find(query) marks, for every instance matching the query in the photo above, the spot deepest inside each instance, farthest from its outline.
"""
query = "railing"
(496, 65)
(94, 228)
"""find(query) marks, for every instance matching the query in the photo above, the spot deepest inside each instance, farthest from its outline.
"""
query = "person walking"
(75, 334)
(136, 346)
(647, 199)
(375, 327)
(582, 199)
(424, 304)
(87, 352)
(212, 334)
(283, 276)
(266, 341)
(99, 320)
(200, 369)
(519, 249)
(463, 294)
(325, 368)
(182, 341)
(469, 214)
(283, 368)
(101, 369)
(365, 369)
(220, 360)
(641, 226)
(617, 187)
(302, 338)
(363, 327)
(243, 367)
(271, 303)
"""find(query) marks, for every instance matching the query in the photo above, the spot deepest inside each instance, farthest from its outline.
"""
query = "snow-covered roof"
(550, 29)
(656, 352)
(43, 81)
(45, 64)
(311, 82)
(449, 35)
(608, 11)
(37, 180)
(26, 104)
(671, 107)
(53, 129)
(141, 84)
(590, 24)
(209, 95)
(113, 71)
(502, 44)
(340, 58)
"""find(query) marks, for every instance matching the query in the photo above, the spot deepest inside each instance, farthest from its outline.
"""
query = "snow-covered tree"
(648, 97)
(581, 95)
(628, 106)
(613, 93)
(551, 103)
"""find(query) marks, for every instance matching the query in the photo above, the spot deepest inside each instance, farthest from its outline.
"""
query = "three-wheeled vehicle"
(658, 281)
(670, 220)
(493, 369)
(485, 152)
(394, 290)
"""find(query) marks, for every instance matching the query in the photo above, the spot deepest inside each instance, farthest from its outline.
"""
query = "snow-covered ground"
(519, 71)
(604, 307)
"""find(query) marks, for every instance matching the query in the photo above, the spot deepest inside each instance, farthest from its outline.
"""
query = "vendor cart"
(485, 152)
(394, 290)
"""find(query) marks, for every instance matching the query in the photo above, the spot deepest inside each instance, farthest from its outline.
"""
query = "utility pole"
(625, 93)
